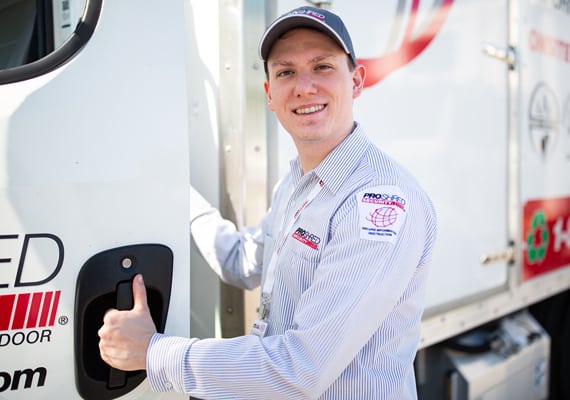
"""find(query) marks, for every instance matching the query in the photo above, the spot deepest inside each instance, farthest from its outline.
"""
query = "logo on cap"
(308, 12)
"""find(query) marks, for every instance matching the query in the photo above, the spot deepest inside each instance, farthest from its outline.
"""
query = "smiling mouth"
(310, 110)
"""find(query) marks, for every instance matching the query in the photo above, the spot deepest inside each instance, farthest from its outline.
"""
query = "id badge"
(258, 328)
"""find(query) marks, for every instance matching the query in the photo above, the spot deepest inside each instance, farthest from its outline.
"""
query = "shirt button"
(168, 385)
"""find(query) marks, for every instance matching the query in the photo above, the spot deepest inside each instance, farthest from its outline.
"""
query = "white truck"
(110, 109)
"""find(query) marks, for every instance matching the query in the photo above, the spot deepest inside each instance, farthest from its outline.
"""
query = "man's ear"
(268, 94)
(358, 77)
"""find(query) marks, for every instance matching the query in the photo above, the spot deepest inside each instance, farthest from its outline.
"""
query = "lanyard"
(283, 233)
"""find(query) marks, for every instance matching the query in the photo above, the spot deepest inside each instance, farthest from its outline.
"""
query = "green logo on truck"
(537, 238)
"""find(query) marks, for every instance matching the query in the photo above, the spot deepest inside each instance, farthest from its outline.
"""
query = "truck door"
(93, 186)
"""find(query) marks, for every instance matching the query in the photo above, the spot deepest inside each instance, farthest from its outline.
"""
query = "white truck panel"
(95, 154)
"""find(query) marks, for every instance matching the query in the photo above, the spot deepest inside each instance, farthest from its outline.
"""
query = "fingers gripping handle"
(118, 378)
(103, 282)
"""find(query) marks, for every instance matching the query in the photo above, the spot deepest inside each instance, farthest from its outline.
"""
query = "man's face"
(311, 88)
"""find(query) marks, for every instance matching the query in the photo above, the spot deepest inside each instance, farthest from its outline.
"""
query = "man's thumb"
(139, 293)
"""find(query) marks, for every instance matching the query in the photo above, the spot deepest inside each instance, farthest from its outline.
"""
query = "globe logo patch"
(382, 212)
(383, 217)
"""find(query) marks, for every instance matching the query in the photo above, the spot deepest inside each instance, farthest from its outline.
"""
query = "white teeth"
(309, 110)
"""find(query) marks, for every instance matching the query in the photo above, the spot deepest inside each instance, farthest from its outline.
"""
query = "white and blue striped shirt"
(346, 306)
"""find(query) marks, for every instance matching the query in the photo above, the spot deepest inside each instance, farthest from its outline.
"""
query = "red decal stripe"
(14, 308)
(21, 311)
(45, 309)
(379, 67)
(54, 308)
(6, 307)
(34, 310)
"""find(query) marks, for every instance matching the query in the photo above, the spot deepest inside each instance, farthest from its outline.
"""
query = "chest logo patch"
(382, 212)
(307, 238)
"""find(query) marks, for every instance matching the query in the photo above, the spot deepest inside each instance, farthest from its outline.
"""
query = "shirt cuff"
(166, 363)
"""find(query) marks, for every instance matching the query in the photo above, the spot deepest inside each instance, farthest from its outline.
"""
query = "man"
(341, 256)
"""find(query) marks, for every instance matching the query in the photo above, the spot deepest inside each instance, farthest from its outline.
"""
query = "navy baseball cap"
(307, 17)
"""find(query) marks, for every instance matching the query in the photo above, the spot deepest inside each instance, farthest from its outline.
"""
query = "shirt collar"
(339, 163)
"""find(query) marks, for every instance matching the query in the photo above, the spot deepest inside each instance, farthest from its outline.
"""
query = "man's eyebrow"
(322, 58)
(285, 63)
(282, 63)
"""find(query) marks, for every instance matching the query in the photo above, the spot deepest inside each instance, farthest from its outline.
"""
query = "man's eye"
(284, 73)
(323, 67)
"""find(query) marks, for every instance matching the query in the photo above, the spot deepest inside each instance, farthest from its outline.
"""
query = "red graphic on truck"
(411, 45)
(546, 236)
(26, 318)
(28, 310)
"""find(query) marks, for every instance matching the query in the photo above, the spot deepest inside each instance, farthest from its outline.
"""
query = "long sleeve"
(236, 256)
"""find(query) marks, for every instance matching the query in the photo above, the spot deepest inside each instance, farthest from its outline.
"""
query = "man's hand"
(125, 335)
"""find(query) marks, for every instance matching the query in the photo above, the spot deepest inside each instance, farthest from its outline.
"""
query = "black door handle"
(125, 301)
(104, 282)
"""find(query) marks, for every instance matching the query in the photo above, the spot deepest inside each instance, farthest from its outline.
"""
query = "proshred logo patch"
(307, 238)
(382, 212)
(28, 310)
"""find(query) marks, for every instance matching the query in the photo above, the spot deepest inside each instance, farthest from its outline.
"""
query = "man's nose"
(305, 84)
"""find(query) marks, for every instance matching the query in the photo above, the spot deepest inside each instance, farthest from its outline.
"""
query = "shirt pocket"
(305, 245)
(297, 265)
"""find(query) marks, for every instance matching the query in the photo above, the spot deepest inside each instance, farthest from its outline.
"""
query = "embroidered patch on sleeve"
(382, 212)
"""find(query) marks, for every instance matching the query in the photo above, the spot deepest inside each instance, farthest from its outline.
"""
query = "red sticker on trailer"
(414, 42)
(546, 236)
